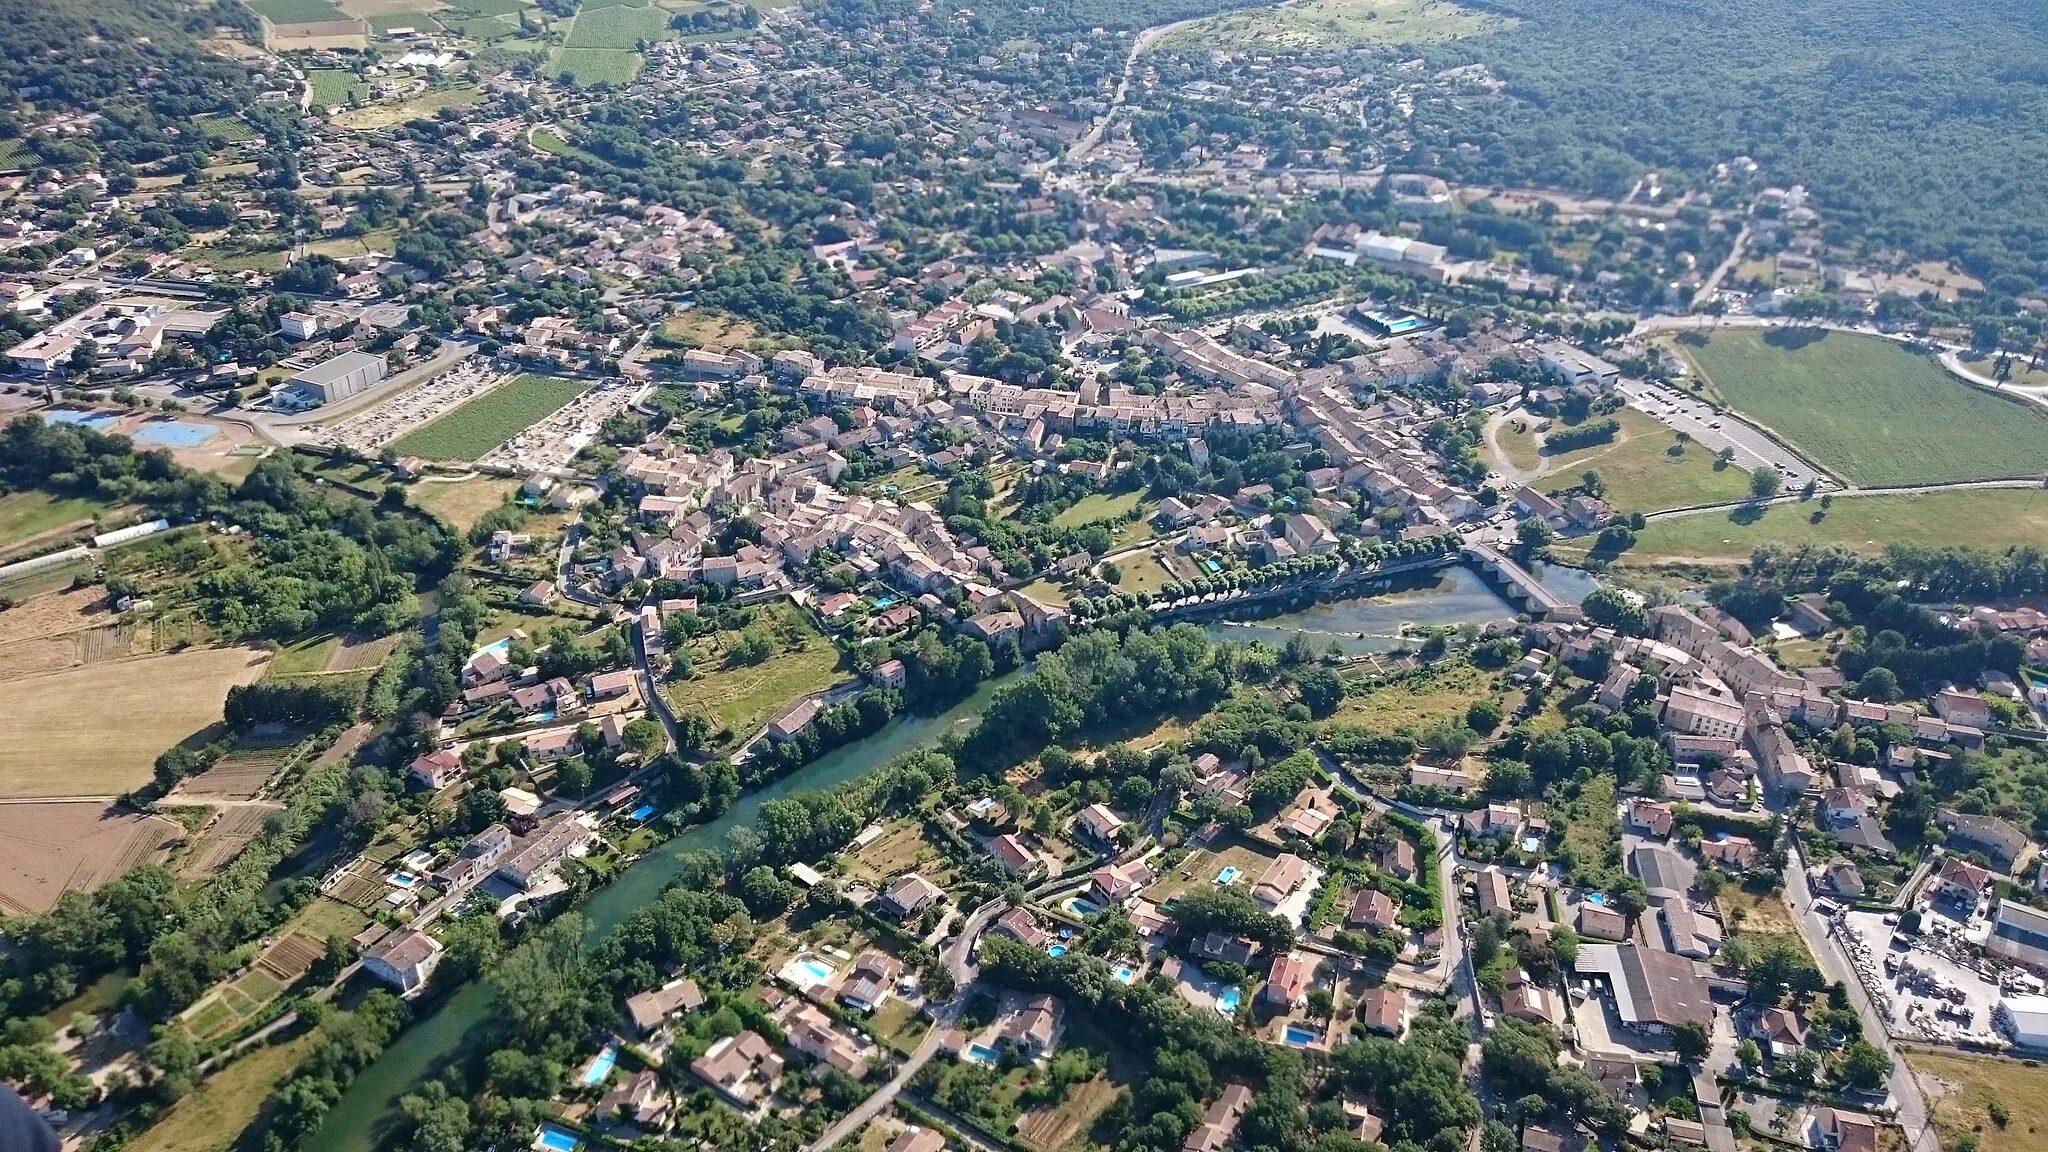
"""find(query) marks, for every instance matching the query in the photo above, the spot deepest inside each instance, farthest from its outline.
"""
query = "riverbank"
(1384, 618)
(430, 1044)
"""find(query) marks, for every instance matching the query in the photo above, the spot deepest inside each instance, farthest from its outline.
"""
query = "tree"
(1533, 533)
(1764, 482)
(1321, 690)
(1749, 1054)
(1484, 715)
(1865, 1066)
(1690, 1040)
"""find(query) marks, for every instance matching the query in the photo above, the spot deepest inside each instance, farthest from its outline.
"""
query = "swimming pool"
(1124, 973)
(1299, 1037)
(1532, 843)
(543, 717)
(175, 434)
(1056, 950)
(885, 601)
(92, 420)
(553, 1139)
(641, 813)
(401, 880)
(1228, 1000)
(809, 970)
(600, 1065)
(981, 1053)
(1080, 907)
(1227, 875)
(501, 647)
(1212, 566)
(1596, 898)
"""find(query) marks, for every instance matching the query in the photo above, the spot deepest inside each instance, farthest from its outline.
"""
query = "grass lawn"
(302, 656)
(1986, 518)
(1872, 410)
(1445, 695)
(2021, 1087)
(742, 698)
(1045, 592)
(296, 11)
(2017, 373)
(1143, 574)
(479, 425)
(28, 514)
(1640, 472)
(325, 918)
(212, 1117)
(1099, 506)
(461, 503)
(1517, 440)
(423, 105)
(1327, 25)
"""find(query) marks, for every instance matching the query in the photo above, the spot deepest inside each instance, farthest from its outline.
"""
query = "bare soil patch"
(46, 848)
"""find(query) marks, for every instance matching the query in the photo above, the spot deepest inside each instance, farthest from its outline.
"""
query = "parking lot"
(1715, 430)
(369, 431)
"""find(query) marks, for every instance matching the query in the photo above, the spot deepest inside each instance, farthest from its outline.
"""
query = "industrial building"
(2019, 934)
(334, 379)
(2025, 1020)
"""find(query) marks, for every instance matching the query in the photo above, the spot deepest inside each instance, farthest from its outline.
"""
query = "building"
(334, 379)
(1599, 922)
(1700, 713)
(1100, 824)
(1383, 1010)
(1837, 1131)
(910, 895)
(437, 769)
(1219, 1123)
(1280, 880)
(647, 1012)
(2000, 842)
(1371, 910)
(1010, 852)
(869, 981)
(1960, 881)
(2019, 934)
(915, 1139)
(1287, 982)
(404, 960)
(1494, 898)
(1653, 990)
(2025, 1020)
(1033, 1029)
(536, 855)
(741, 1068)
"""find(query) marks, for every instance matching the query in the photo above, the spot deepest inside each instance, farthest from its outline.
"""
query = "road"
(1078, 151)
(1905, 1090)
(959, 959)
(1714, 431)
(1721, 270)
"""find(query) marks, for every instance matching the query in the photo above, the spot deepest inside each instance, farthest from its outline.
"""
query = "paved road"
(1905, 1090)
(1713, 431)
(959, 959)
(1721, 270)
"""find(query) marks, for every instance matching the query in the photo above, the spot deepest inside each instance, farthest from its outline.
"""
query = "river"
(431, 1044)
(1365, 624)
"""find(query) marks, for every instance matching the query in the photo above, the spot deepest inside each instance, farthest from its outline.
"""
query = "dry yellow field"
(98, 729)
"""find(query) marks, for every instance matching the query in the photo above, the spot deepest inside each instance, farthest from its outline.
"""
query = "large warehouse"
(2020, 934)
(2025, 1019)
(335, 379)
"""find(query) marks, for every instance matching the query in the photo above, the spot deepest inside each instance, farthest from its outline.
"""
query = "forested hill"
(134, 62)
(1923, 126)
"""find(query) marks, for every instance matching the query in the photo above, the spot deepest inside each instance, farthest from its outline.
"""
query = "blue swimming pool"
(1228, 1000)
(816, 970)
(1124, 973)
(600, 1065)
(1080, 907)
(1596, 898)
(1227, 875)
(501, 647)
(1299, 1037)
(1057, 950)
(1532, 843)
(1212, 566)
(885, 601)
(641, 813)
(176, 434)
(402, 879)
(554, 1139)
(92, 420)
(981, 1053)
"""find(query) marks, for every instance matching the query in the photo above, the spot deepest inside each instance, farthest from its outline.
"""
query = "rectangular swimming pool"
(600, 1066)
(981, 1053)
(1298, 1037)
(553, 1139)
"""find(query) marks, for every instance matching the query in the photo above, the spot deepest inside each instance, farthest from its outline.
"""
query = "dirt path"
(1501, 464)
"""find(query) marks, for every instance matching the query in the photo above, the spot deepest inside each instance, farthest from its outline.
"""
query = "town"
(898, 578)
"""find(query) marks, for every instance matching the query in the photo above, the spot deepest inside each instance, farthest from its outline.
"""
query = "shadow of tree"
(1794, 338)
(1748, 514)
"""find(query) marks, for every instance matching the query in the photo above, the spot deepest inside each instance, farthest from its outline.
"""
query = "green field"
(1993, 519)
(491, 419)
(1100, 506)
(486, 7)
(743, 698)
(297, 11)
(15, 155)
(337, 88)
(1639, 470)
(616, 27)
(303, 656)
(1327, 25)
(28, 514)
(228, 128)
(1871, 410)
(212, 1117)
(589, 66)
(417, 21)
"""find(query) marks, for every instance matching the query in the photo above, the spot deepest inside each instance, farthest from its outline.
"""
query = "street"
(1713, 431)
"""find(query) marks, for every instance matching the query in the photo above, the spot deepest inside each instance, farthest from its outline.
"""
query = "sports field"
(58, 741)
(482, 424)
(1870, 409)
(1992, 519)
(1325, 25)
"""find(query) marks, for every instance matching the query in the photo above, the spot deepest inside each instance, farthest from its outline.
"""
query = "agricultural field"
(741, 698)
(616, 26)
(302, 657)
(1449, 689)
(338, 88)
(296, 11)
(229, 128)
(24, 516)
(220, 842)
(15, 155)
(591, 66)
(1971, 1084)
(213, 1116)
(479, 425)
(48, 848)
(1870, 409)
(1640, 470)
(1332, 25)
(59, 746)
(1993, 519)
